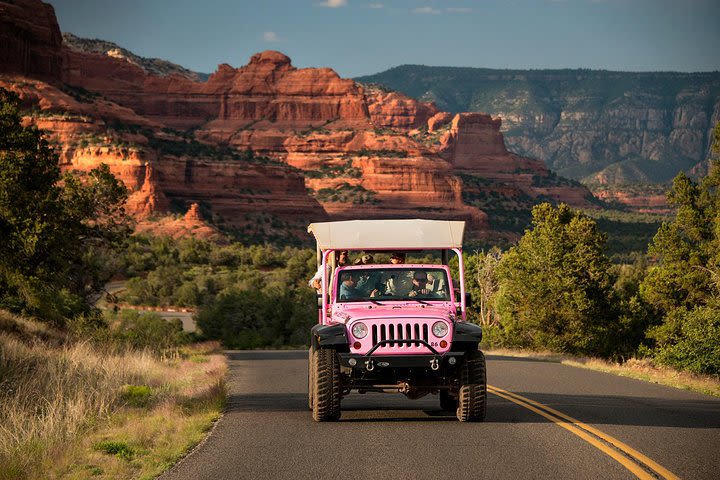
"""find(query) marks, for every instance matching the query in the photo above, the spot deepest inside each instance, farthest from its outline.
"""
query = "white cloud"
(271, 37)
(427, 10)
(376, 5)
(332, 4)
(459, 9)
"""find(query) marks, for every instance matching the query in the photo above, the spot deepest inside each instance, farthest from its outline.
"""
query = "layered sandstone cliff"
(266, 148)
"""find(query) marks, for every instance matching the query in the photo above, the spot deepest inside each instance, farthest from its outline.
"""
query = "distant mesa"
(621, 128)
(155, 66)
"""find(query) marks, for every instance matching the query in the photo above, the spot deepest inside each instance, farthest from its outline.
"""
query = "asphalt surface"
(188, 322)
(268, 432)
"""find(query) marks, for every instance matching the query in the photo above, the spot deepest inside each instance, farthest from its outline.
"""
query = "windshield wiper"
(417, 300)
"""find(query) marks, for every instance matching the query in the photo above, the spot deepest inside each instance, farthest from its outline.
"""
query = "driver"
(419, 285)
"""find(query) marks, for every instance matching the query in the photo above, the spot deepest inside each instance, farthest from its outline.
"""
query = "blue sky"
(359, 37)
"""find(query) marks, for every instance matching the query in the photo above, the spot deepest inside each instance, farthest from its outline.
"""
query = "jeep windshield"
(363, 285)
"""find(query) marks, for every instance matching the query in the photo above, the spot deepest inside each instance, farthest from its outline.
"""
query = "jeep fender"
(466, 336)
(329, 336)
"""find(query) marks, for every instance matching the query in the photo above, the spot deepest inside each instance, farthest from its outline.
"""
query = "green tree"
(49, 222)
(487, 285)
(688, 339)
(684, 286)
(687, 248)
(555, 286)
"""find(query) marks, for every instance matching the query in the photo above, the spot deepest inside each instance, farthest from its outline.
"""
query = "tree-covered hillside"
(596, 125)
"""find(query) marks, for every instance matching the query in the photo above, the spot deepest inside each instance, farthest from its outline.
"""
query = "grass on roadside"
(74, 409)
(639, 369)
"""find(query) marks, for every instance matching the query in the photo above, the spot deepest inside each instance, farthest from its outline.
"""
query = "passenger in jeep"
(341, 259)
(348, 287)
(365, 285)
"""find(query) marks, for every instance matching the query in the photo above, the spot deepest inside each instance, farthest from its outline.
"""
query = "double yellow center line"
(640, 465)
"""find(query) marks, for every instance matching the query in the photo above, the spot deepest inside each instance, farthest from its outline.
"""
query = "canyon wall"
(602, 127)
(266, 148)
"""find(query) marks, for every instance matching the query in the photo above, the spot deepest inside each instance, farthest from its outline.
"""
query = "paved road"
(188, 322)
(267, 431)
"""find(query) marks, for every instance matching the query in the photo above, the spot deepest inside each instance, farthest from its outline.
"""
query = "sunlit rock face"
(268, 143)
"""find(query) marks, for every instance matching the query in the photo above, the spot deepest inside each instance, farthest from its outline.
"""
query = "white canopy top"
(388, 234)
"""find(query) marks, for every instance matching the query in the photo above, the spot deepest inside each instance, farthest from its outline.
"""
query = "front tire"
(311, 389)
(472, 396)
(326, 385)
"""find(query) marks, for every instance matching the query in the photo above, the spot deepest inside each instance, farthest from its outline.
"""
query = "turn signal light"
(356, 345)
(443, 344)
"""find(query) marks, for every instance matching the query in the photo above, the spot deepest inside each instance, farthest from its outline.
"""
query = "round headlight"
(359, 330)
(440, 329)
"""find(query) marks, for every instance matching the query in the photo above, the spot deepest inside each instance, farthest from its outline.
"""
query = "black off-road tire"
(447, 401)
(311, 389)
(472, 397)
(326, 386)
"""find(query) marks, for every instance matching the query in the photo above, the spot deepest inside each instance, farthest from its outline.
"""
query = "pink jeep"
(394, 327)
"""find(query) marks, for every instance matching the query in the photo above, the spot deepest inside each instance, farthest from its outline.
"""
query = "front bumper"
(385, 362)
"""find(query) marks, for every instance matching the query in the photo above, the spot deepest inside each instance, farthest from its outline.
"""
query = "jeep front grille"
(400, 331)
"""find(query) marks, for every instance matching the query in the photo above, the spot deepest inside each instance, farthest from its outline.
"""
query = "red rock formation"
(438, 120)
(471, 139)
(362, 151)
(193, 214)
(474, 145)
(149, 199)
(233, 189)
(643, 203)
(191, 224)
(268, 88)
(30, 39)
(395, 110)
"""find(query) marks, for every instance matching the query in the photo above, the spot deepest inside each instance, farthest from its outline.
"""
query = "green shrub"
(688, 340)
(147, 330)
(136, 395)
(119, 449)
(493, 337)
(276, 317)
(346, 193)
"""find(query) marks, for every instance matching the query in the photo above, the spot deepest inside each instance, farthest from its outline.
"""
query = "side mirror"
(468, 299)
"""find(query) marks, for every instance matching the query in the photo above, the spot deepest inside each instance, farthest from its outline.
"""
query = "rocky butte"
(267, 147)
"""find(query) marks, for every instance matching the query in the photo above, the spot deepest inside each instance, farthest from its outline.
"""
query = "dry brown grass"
(56, 394)
(640, 369)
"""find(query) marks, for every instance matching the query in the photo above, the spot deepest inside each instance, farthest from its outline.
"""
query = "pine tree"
(684, 287)
(49, 222)
(555, 285)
